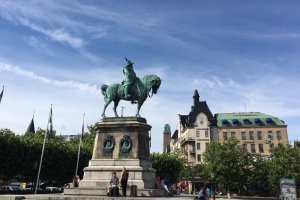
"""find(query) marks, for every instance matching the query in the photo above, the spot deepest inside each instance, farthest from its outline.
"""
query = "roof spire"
(196, 98)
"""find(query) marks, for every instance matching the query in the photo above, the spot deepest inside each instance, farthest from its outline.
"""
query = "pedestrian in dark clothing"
(202, 194)
(124, 179)
(114, 182)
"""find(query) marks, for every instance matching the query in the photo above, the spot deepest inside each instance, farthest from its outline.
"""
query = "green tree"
(257, 179)
(18, 154)
(284, 164)
(167, 165)
(190, 171)
(227, 163)
(10, 148)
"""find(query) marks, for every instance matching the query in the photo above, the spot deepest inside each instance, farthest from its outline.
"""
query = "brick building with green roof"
(253, 130)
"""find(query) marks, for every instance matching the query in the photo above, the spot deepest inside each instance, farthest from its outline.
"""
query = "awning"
(268, 120)
(235, 121)
(224, 121)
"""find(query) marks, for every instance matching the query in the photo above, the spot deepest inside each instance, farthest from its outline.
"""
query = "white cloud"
(58, 35)
(85, 87)
(39, 45)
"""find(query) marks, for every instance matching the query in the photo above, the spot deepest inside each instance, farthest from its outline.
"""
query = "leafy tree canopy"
(167, 165)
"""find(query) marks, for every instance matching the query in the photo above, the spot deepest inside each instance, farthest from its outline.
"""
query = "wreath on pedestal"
(109, 144)
(125, 144)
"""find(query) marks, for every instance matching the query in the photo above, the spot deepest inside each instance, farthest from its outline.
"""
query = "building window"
(261, 148)
(206, 145)
(252, 148)
(270, 135)
(233, 135)
(199, 158)
(235, 122)
(251, 134)
(225, 135)
(206, 133)
(279, 136)
(243, 135)
(198, 146)
(259, 135)
(197, 132)
(244, 147)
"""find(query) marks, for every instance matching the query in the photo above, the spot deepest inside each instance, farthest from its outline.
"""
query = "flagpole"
(42, 155)
(1, 94)
(80, 139)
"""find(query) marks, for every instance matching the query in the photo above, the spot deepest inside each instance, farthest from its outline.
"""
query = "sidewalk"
(69, 197)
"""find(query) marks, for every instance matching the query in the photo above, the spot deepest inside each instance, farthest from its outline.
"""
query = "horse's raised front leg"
(139, 105)
(116, 102)
(107, 102)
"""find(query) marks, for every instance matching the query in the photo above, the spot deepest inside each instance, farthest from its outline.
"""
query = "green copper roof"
(167, 129)
(247, 118)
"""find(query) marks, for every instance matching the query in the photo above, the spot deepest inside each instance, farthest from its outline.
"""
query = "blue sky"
(235, 53)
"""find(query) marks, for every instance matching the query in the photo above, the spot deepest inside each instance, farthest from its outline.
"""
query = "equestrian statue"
(131, 89)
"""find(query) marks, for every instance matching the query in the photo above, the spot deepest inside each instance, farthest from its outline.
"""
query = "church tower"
(166, 139)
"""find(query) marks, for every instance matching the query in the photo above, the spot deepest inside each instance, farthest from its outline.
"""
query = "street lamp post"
(213, 185)
(269, 142)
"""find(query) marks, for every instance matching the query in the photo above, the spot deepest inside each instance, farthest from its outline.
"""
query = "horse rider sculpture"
(129, 78)
(131, 89)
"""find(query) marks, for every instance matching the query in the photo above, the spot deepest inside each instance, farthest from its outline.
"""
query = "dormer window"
(268, 120)
(246, 122)
(235, 122)
(224, 121)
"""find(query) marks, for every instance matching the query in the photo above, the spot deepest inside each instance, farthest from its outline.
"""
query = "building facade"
(194, 131)
(256, 132)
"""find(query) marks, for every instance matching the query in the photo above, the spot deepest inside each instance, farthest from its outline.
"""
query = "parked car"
(9, 188)
(53, 189)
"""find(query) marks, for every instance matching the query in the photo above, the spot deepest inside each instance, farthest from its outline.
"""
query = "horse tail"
(103, 89)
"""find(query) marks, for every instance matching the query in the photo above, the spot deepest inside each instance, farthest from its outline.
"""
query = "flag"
(50, 123)
(1, 94)
(30, 128)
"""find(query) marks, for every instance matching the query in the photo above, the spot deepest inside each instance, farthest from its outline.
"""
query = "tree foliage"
(234, 169)
(227, 163)
(284, 164)
(167, 165)
(20, 156)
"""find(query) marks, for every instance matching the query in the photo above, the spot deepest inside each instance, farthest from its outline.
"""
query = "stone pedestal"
(120, 142)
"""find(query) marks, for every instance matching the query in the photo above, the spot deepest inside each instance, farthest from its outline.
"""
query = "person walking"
(124, 179)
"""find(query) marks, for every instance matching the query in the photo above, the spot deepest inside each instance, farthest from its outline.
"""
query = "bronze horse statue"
(139, 92)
